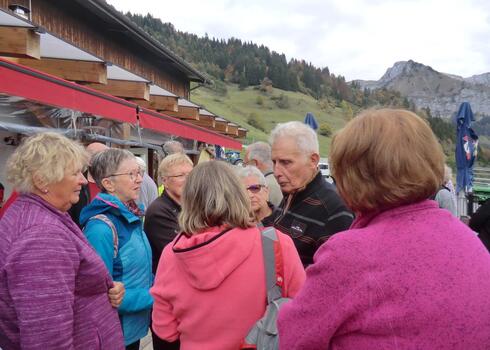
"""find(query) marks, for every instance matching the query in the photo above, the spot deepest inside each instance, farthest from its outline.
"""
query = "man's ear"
(315, 158)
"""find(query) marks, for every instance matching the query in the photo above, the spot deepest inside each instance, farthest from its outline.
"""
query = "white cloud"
(359, 39)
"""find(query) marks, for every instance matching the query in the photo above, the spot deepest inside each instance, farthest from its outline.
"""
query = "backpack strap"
(108, 222)
(274, 274)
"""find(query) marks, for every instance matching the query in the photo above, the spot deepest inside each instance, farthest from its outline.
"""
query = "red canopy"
(18, 80)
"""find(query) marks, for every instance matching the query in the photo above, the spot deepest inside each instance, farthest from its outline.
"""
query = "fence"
(469, 203)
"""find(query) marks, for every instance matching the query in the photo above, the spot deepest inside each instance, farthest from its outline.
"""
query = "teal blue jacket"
(131, 266)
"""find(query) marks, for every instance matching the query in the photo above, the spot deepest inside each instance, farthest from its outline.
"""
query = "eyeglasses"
(255, 188)
(178, 176)
(133, 175)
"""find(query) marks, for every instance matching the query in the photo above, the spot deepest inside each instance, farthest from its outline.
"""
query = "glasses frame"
(255, 190)
(177, 176)
(132, 176)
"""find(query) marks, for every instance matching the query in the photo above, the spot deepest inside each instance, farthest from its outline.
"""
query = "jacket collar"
(366, 219)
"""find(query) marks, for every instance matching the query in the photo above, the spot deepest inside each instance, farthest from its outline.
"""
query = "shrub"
(256, 121)
(325, 129)
(259, 100)
(282, 102)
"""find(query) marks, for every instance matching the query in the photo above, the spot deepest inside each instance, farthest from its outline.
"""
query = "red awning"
(18, 80)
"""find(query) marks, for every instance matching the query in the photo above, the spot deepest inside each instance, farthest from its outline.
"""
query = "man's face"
(292, 168)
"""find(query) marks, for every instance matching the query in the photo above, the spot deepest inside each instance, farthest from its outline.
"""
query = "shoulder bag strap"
(273, 264)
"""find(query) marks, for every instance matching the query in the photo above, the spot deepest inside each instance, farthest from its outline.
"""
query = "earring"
(45, 190)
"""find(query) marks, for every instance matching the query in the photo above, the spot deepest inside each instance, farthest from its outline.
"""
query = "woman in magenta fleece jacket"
(406, 275)
(210, 283)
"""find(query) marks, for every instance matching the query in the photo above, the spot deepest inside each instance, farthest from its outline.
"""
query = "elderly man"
(311, 211)
(90, 190)
(259, 155)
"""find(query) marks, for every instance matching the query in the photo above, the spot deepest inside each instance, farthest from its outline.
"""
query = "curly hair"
(48, 157)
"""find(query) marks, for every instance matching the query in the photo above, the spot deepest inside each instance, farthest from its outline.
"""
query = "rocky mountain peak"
(442, 93)
(402, 68)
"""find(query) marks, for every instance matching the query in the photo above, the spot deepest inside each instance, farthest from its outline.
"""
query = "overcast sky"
(358, 39)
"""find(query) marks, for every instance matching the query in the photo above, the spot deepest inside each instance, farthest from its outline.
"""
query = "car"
(325, 169)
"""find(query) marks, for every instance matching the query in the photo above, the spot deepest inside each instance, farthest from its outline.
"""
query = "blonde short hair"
(386, 158)
(48, 156)
(213, 196)
(172, 160)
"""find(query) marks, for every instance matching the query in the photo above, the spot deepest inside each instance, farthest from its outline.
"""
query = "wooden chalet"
(86, 70)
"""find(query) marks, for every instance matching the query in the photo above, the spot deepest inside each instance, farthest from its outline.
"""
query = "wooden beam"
(242, 133)
(221, 126)
(232, 130)
(160, 103)
(123, 132)
(80, 71)
(19, 42)
(184, 112)
(205, 121)
(124, 88)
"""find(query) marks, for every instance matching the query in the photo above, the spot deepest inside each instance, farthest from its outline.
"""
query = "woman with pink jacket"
(407, 274)
(210, 283)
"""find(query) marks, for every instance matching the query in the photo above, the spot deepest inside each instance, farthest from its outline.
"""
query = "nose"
(82, 178)
(139, 178)
(277, 170)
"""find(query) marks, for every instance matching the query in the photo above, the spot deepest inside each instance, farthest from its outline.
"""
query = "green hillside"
(242, 105)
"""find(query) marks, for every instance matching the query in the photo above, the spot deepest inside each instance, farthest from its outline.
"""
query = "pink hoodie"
(210, 288)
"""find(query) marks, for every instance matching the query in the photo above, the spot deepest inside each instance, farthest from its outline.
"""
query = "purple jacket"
(53, 286)
(413, 277)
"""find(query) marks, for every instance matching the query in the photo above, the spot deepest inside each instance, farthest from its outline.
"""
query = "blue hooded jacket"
(131, 266)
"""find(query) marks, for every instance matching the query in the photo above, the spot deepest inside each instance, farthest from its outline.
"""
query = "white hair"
(250, 170)
(260, 151)
(304, 136)
(448, 173)
(141, 163)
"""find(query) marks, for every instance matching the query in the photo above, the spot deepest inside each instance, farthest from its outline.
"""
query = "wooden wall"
(102, 42)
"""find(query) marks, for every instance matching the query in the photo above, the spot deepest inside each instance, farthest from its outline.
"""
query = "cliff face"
(441, 92)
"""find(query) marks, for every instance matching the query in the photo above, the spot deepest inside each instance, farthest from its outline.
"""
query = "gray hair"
(448, 173)
(304, 136)
(106, 163)
(250, 170)
(141, 163)
(48, 156)
(260, 151)
(213, 196)
(172, 146)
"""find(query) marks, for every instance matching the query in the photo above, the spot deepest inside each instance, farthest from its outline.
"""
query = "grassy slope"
(237, 105)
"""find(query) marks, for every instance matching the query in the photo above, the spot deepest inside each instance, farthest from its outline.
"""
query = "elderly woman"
(256, 185)
(113, 225)
(407, 274)
(53, 286)
(210, 284)
(161, 220)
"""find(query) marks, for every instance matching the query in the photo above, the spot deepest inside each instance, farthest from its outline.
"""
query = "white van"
(325, 169)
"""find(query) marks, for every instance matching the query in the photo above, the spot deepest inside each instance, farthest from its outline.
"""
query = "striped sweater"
(311, 216)
(53, 286)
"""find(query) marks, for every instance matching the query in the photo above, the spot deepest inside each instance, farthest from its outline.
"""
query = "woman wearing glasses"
(258, 192)
(113, 225)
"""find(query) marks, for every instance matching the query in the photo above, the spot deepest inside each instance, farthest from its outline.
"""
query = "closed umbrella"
(466, 148)
(310, 121)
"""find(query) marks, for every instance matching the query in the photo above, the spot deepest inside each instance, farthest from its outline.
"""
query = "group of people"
(371, 263)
